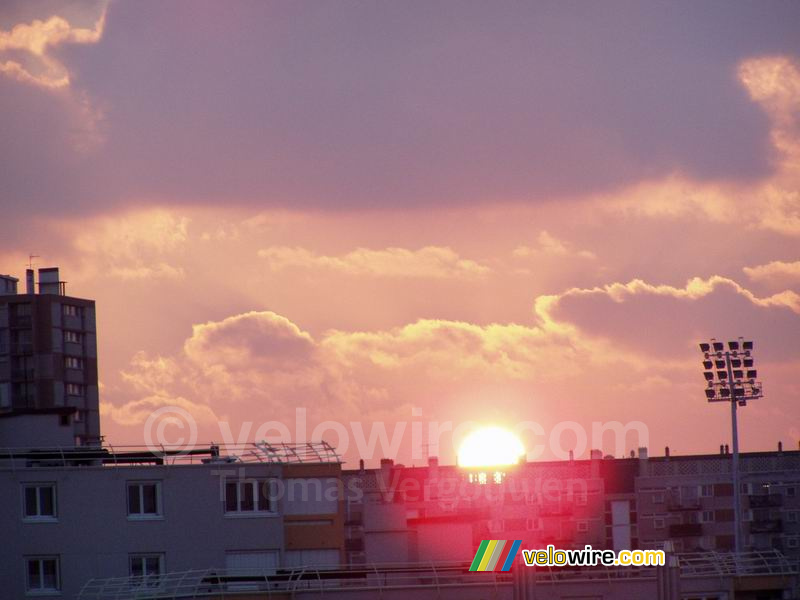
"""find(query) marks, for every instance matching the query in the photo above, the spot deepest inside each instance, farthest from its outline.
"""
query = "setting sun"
(489, 447)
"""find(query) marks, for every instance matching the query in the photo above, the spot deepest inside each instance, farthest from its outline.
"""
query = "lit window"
(43, 574)
(144, 499)
(249, 496)
(498, 477)
(40, 501)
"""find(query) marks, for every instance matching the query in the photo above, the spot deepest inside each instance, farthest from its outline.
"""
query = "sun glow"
(489, 447)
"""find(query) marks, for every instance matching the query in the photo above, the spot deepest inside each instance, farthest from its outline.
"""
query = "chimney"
(666, 451)
(29, 287)
(433, 467)
(361, 465)
(571, 455)
(386, 464)
(780, 446)
(722, 449)
(727, 450)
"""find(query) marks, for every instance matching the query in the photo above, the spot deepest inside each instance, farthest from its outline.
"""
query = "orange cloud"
(428, 262)
(35, 40)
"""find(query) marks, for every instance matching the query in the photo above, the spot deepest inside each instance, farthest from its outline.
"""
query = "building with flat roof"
(48, 362)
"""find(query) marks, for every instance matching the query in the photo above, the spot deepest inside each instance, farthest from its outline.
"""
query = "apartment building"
(435, 512)
(70, 516)
(48, 359)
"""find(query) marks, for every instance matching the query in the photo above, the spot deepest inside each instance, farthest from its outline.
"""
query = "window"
(70, 310)
(580, 499)
(42, 574)
(658, 522)
(707, 516)
(495, 524)
(582, 526)
(746, 488)
(72, 337)
(249, 496)
(534, 524)
(706, 491)
(147, 566)
(40, 501)
(73, 362)
(658, 498)
(144, 500)
(792, 542)
(74, 389)
(790, 492)
(21, 310)
(791, 516)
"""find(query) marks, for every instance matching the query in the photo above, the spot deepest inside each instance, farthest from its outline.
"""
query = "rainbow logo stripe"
(495, 555)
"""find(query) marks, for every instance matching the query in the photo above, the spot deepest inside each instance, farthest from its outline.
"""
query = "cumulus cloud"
(776, 271)
(35, 41)
(427, 262)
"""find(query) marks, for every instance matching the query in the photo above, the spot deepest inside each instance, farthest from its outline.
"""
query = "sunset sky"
(492, 212)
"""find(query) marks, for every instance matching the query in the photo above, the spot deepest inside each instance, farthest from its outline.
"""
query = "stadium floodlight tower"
(731, 377)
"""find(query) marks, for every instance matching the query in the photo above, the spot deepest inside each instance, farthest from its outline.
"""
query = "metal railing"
(246, 582)
(259, 452)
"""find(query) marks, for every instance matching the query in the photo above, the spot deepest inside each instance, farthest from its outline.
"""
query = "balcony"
(766, 501)
(685, 530)
(766, 526)
(22, 374)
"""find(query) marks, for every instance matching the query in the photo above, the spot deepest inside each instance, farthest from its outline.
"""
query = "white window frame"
(704, 516)
(40, 589)
(258, 511)
(706, 490)
(38, 517)
(147, 579)
(143, 516)
(534, 524)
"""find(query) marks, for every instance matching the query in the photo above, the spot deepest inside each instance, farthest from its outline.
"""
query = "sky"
(386, 213)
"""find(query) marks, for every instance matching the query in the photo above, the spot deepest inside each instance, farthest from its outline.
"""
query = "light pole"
(731, 377)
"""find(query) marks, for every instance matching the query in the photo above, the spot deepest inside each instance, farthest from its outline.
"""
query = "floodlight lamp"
(709, 375)
(738, 374)
(718, 346)
(748, 362)
(722, 374)
(752, 374)
(736, 363)
(720, 364)
(747, 345)
(724, 392)
(742, 402)
(704, 347)
(738, 391)
(710, 393)
(733, 345)
(756, 392)
(707, 364)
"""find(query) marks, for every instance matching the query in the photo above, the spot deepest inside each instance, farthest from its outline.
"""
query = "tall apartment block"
(48, 364)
